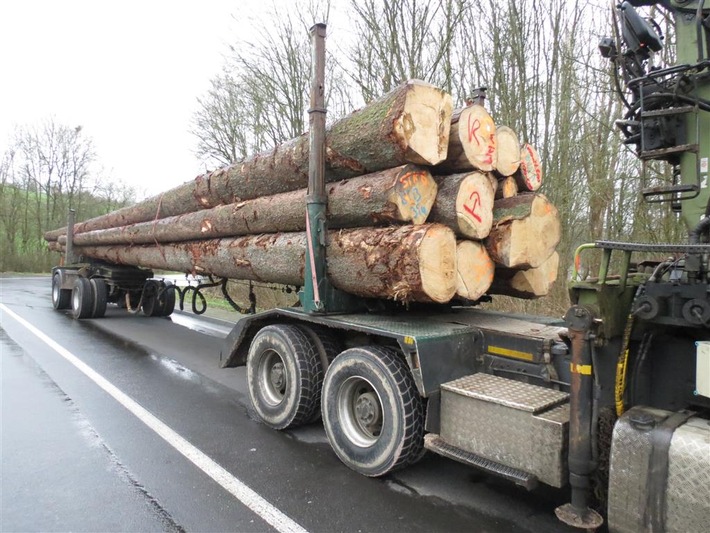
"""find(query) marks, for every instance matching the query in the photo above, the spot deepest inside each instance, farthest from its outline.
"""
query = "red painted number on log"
(473, 129)
(475, 200)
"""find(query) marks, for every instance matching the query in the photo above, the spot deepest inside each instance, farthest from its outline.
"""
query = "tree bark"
(529, 175)
(472, 141)
(404, 263)
(528, 284)
(526, 230)
(507, 188)
(400, 195)
(408, 125)
(465, 204)
(474, 270)
(507, 151)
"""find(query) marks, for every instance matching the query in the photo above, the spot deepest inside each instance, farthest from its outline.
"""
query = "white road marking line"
(231, 484)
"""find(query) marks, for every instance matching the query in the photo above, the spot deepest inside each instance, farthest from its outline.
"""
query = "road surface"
(128, 423)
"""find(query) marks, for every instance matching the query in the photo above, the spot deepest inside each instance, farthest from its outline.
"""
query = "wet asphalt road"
(75, 459)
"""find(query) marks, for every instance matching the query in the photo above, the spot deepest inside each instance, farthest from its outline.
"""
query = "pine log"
(404, 263)
(526, 230)
(472, 142)
(474, 270)
(400, 195)
(507, 188)
(408, 125)
(465, 204)
(529, 175)
(529, 284)
(507, 151)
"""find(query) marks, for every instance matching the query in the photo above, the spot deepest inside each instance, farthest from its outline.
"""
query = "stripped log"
(472, 142)
(408, 125)
(400, 195)
(526, 230)
(507, 151)
(507, 188)
(404, 263)
(465, 204)
(474, 270)
(529, 284)
(529, 175)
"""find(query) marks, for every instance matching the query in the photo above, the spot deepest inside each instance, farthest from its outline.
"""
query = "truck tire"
(328, 345)
(99, 293)
(82, 304)
(151, 305)
(283, 372)
(61, 298)
(372, 412)
(167, 299)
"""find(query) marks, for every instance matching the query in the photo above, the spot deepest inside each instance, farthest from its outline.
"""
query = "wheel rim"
(55, 292)
(76, 299)
(360, 411)
(272, 376)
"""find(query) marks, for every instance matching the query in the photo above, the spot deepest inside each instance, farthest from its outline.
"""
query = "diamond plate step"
(436, 444)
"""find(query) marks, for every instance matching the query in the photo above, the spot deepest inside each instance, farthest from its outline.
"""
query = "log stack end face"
(422, 127)
(474, 206)
(437, 263)
(414, 195)
(477, 135)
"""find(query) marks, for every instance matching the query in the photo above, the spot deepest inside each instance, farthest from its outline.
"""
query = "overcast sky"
(129, 72)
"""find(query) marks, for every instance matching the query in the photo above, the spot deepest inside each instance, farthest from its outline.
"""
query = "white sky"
(129, 72)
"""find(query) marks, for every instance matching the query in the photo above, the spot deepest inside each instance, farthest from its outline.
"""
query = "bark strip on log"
(472, 142)
(507, 151)
(529, 175)
(474, 270)
(405, 263)
(507, 188)
(408, 125)
(526, 230)
(528, 284)
(404, 194)
(465, 204)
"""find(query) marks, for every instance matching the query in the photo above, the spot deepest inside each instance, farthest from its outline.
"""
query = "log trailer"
(612, 402)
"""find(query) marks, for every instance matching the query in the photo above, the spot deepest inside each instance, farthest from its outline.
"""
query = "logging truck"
(612, 403)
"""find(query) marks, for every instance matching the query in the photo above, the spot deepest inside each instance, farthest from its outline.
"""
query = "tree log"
(507, 151)
(474, 270)
(529, 284)
(529, 175)
(465, 204)
(526, 230)
(507, 188)
(472, 142)
(400, 195)
(404, 263)
(408, 125)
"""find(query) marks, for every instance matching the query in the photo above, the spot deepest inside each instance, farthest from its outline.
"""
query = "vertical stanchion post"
(69, 252)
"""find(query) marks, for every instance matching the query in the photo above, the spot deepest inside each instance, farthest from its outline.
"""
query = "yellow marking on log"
(497, 350)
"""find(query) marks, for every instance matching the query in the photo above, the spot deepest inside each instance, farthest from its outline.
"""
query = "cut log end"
(414, 194)
(507, 188)
(474, 270)
(474, 206)
(507, 151)
(426, 117)
(437, 263)
(529, 176)
(528, 284)
(477, 135)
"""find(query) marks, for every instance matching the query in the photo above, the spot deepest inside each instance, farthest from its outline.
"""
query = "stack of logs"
(423, 205)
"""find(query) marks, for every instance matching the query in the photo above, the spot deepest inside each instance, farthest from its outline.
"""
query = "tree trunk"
(507, 151)
(403, 194)
(529, 284)
(474, 270)
(529, 175)
(472, 142)
(408, 125)
(405, 263)
(465, 204)
(526, 230)
(507, 188)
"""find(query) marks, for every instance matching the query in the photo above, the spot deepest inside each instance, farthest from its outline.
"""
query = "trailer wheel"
(328, 345)
(81, 298)
(372, 412)
(151, 305)
(61, 298)
(167, 299)
(283, 372)
(99, 293)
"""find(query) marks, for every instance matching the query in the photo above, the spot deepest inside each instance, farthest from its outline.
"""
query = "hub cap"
(360, 411)
(273, 379)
